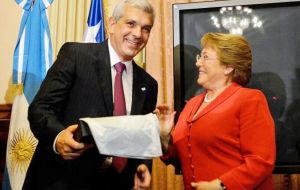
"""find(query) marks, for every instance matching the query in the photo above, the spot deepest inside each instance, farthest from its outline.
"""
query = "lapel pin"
(143, 88)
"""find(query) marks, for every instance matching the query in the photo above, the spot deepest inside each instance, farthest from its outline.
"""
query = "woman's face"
(211, 73)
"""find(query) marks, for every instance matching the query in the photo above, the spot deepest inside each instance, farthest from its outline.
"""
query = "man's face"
(130, 33)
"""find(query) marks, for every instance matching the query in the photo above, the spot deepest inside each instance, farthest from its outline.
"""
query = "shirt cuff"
(54, 143)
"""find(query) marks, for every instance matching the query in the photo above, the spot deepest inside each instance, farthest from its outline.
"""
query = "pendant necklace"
(207, 100)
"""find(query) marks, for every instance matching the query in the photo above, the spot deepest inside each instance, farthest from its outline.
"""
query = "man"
(81, 84)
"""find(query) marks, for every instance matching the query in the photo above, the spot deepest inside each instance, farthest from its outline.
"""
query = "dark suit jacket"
(79, 85)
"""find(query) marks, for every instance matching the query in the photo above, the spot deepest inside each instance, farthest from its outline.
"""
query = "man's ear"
(111, 24)
(228, 70)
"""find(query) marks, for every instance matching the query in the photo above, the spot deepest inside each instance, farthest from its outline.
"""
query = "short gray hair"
(140, 4)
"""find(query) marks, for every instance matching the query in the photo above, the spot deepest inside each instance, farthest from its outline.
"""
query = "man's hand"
(207, 185)
(67, 147)
(142, 178)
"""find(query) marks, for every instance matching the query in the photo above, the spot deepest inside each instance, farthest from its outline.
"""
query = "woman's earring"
(228, 70)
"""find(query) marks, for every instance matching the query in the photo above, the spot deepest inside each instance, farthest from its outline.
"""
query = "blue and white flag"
(32, 59)
(95, 31)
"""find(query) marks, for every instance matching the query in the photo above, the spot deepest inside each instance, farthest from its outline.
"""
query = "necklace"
(207, 100)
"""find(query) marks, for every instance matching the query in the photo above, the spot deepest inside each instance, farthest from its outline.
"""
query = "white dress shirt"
(127, 77)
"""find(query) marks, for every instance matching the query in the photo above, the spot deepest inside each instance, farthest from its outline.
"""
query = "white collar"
(114, 58)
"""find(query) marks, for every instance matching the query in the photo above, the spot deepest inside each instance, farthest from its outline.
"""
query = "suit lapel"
(139, 90)
(103, 72)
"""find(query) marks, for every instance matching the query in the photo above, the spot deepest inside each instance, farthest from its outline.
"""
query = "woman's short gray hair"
(141, 4)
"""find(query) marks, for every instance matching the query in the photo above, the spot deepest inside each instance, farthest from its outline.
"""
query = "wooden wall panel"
(5, 112)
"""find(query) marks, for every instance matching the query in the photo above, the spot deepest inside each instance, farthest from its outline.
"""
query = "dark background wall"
(276, 65)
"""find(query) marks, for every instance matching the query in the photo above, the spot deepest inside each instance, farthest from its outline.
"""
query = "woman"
(224, 137)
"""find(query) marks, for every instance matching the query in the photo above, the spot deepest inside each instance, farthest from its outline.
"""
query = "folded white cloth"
(135, 136)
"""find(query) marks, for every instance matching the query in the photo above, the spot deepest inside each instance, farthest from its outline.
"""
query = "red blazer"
(232, 139)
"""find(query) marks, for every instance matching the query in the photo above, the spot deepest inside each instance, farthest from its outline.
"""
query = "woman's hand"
(166, 119)
(166, 122)
(207, 185)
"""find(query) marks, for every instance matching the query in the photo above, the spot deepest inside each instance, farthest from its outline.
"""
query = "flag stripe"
(95, 31)
(22, 3)
(47, 58)
(95, 14)
(21, 58)
(46, 3)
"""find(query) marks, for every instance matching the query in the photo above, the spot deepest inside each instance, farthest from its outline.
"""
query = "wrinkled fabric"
(135, 136)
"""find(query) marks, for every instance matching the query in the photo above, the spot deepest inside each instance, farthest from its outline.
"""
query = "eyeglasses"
(204, 58)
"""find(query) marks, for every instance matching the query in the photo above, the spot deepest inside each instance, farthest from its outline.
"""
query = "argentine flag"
(95, 31)
(32, 59)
